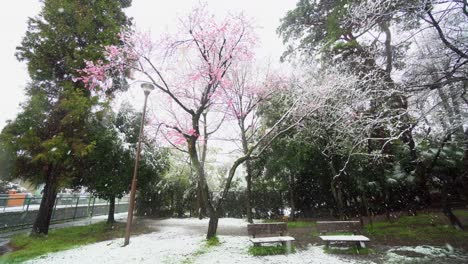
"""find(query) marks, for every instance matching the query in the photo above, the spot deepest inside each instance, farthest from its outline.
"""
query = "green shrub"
(270, 250)
(354, 250)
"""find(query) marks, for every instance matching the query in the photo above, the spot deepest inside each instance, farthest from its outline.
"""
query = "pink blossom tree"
(188, 68)
(191, 70)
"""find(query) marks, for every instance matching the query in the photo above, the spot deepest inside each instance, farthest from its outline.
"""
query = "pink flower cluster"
(118, 59)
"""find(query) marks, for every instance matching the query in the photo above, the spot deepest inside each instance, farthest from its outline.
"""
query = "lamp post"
(147, 88)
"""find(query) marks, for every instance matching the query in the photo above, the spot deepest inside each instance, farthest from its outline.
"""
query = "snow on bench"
(342, 226)
(271, 239)
(266, 230)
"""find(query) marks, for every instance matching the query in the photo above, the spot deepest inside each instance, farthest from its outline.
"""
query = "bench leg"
(327, 244)
(288, 247)
(360, 244)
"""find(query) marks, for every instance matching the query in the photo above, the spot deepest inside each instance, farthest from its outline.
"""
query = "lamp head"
(147, 87)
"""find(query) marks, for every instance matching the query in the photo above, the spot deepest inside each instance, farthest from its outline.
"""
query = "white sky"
(148, 15)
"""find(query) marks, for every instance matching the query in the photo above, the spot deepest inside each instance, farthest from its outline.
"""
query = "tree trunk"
(447, 210)
(291, 197)
(366, 209)
(248, 193)
(200, 203)
(423, 184)
(212, 226)
(110, 215)
(248, 168)
(335, 187)
(203, 187)
(44, 215)
(462, 179)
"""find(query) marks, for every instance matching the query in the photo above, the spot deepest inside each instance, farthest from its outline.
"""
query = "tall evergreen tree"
(50, 138)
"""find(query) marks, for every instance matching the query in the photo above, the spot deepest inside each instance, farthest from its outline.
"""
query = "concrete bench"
(353, 227)
(269, 233)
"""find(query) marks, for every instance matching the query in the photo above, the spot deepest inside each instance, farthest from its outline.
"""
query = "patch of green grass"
(298, 224)
(354, 250)
(293, 224)
(212, 242)
(270, 250)
(209, 243)
(423, 227)
(315, 233)
(27, 247)
(461, 213)
(186, 261)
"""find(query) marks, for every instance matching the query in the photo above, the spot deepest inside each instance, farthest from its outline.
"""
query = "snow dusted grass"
(161, 247)
(27, 247)
(425, 254)
(234, 249)
(352, 250)
(183, 241)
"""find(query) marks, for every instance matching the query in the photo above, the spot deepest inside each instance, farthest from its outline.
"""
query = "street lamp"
(147, 88)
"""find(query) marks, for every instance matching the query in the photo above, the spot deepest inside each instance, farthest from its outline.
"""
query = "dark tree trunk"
(423, 184)
(248, 177)
(365, 209)
(212, 226)
(110, 215)
(335, 187)
(291, 197)
(203, 187)
(462, 179)
(248, 193)
(200, 203)
(44, 216)
(447, 210)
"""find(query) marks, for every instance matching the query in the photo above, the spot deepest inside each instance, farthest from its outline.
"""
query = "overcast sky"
(148, 15)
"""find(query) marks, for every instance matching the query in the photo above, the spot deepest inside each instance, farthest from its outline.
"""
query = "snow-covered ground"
(179, 241)
(182, 241)
(425, 254)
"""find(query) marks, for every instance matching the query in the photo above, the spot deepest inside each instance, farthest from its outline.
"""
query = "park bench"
(354, 227)
(269, 233)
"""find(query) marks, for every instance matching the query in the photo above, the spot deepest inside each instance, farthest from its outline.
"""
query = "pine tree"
(50, 138)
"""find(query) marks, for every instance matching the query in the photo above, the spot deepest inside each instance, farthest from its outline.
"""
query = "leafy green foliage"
(53, 127)
(110, 165)
(270, 250)
(353, 250)
(313, 23)
(301, 224)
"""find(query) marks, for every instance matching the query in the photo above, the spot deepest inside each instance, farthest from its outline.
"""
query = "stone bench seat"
(279, 239)
(269, 233)
(342, 226)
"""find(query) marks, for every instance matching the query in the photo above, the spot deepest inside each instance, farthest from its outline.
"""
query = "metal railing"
(19, 210)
